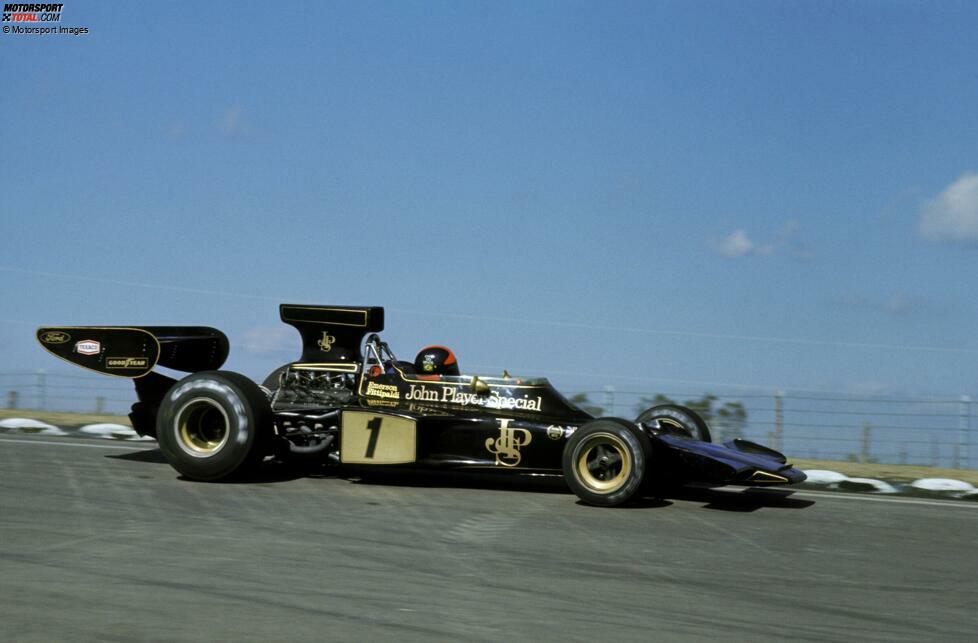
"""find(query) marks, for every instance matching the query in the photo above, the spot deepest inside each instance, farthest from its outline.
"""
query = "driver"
(436, 360)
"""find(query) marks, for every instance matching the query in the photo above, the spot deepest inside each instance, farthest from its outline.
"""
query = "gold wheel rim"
(603, 463)
(202, 427)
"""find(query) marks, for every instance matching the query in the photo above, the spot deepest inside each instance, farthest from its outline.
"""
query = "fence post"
(864, 452)
(778, 420)
(42, 389)
(609, 400)
(964, 432)
(12, 400)
(99, 405)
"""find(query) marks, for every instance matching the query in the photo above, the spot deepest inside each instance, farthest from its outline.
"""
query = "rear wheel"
(605, 461)
(214, 424)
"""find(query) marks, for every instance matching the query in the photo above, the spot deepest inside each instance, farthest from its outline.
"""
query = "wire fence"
(926, 431)
(52, 391)
(895, 430)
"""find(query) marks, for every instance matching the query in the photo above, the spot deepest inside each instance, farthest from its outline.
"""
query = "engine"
(298, 402)
(304, 387)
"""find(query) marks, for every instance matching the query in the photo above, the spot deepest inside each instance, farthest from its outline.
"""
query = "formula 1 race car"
(350, 401)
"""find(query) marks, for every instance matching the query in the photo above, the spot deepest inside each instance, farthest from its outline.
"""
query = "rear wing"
(332, 333)
(134, 351)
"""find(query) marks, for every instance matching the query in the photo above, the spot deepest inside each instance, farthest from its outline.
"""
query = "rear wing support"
(332, 334)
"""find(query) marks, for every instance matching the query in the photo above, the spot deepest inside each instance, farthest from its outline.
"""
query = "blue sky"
(656, 195)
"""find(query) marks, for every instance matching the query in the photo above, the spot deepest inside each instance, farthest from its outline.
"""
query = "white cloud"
(737, 244)
(893, 304)
(869, 387)
(275, 340)
(177, 129)
(789, 230)
(233, 122)
(952, 216)
(898, 303)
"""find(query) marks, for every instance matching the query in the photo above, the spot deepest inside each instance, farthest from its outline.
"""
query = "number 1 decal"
(374, 427)
(377, 438)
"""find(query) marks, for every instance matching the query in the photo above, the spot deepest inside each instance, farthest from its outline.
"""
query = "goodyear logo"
(126, 362)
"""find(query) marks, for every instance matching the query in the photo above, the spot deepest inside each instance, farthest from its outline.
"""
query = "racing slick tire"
(605, 461)
(683, 420)
(213, 424)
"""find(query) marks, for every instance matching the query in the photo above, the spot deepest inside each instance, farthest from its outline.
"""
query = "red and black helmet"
(436, 360)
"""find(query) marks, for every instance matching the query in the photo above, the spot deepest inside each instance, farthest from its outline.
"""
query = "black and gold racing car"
(350, 401)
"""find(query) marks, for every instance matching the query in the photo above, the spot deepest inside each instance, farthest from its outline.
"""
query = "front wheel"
(213, 424)
(677, 420)
(605, 461)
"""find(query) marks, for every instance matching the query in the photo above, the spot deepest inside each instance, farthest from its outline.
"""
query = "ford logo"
(55, 337)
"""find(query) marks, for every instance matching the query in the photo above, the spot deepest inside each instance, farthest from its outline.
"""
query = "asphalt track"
(103, 541)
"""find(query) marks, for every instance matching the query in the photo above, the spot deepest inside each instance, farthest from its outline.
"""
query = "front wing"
(735, 462)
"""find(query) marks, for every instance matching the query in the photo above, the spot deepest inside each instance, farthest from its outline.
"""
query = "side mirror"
(478, 386)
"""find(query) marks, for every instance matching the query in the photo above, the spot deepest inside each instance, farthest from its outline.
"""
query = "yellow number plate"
(373, 438)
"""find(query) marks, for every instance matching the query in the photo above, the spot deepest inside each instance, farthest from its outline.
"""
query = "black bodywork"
(348, 400)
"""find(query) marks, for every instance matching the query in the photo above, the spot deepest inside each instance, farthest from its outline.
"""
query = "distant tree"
(855, 457)
(726, 422)
(731, 419)
(646, 402)
(704, 407)
(581, 400)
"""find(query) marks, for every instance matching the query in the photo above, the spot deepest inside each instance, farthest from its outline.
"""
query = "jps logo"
(507, 446)
(326, 343)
